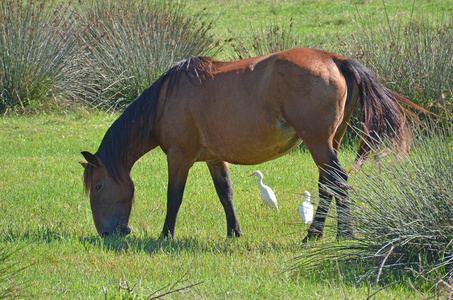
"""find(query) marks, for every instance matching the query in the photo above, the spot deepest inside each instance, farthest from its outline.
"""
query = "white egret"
(267, 195)
(306, 209)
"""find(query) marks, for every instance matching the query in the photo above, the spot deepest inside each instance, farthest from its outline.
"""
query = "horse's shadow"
(151, 245)
(145, 243)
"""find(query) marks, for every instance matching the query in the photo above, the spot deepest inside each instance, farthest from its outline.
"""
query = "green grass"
(104, 55)
(47, 215)
(319, 22)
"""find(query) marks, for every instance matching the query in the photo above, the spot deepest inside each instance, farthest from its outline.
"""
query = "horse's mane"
(136, 123)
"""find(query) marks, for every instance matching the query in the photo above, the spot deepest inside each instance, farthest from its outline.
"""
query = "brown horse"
(242, 112)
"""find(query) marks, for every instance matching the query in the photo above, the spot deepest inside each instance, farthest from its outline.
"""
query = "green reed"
(10, 288)
(130, 44)
(411, 57)
(401, 209)
(36, 40)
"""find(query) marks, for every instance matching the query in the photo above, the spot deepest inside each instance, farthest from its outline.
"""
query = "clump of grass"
(268, 39)
(104, 53)
(131, 43)
(402, 213)
(412, 58)
(36, 39)
(9, 288)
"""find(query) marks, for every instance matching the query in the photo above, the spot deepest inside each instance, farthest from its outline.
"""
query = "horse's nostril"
(126, 230)
(123, 229)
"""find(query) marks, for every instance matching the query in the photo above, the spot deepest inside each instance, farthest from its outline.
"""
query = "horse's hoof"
(315, 238)
(313, 235)
(234, 233)
(165, 236)
(345, 236)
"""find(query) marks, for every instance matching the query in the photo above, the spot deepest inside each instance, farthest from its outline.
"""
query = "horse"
(243, 112)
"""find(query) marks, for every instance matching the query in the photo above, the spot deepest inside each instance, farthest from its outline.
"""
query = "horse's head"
(110, 198)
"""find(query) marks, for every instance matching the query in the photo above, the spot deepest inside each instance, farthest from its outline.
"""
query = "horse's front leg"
(221, 177)
(178, 170)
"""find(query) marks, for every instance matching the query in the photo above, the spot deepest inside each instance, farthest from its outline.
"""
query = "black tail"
(381, 112)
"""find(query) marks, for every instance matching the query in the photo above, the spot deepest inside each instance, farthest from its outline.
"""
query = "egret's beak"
(250, 175)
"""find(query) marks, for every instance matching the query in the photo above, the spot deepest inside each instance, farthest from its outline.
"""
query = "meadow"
(47, 226)
(47, 221)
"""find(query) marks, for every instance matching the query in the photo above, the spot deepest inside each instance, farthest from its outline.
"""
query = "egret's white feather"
(306, 209)
(267, 195)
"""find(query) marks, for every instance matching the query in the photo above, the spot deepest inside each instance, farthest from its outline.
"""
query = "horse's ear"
(84, 164)
(91, 159)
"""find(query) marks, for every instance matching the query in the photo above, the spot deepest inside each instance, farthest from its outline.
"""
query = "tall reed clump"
(36, 40)
(402, 212)
(101, 53)
(412, 58)
(131, 43)
(9, 288)
(268, 39)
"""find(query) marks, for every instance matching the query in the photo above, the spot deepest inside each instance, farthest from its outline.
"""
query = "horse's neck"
(125, 142)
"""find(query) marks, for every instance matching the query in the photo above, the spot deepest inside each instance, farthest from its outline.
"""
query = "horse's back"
(256, 109)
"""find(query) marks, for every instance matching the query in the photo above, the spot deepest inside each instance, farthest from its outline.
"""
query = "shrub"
(9, 288)
(36, 39)
(101, 53)
(403, 211)
(268, 39)
(265, 40)
(130, 44)
(412, 58)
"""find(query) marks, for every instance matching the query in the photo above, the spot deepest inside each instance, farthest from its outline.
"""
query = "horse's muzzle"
(121, 229)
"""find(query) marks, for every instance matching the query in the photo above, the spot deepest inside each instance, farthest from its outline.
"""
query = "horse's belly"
(247, 146)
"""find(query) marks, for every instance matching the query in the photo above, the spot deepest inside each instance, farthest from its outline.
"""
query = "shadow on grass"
(151, 245)
(148, 244)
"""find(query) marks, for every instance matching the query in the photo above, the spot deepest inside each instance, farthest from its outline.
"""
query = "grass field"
(46, 217)
(318, 22)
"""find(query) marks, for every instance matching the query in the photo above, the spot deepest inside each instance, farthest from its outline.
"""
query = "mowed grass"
(46, 217)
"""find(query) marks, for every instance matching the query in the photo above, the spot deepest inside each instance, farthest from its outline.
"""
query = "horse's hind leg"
(332, 181)
(221, 177)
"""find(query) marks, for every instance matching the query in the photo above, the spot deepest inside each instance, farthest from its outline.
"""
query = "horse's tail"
(381, 112)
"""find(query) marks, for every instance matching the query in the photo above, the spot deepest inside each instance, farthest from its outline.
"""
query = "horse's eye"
(99, 187)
